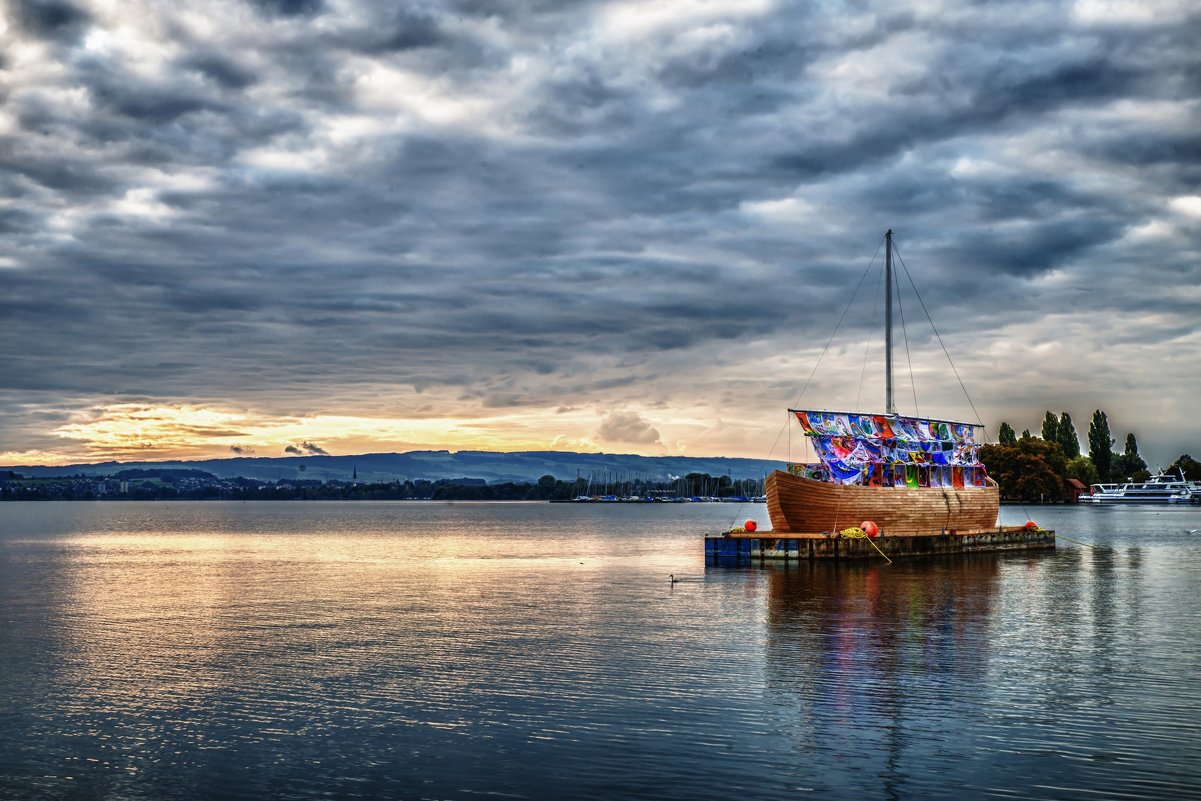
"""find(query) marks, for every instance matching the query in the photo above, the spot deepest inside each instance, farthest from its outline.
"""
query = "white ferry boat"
(1160, 488)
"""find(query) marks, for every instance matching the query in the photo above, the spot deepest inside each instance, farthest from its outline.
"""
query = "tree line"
(166, 484)
(1030, 467)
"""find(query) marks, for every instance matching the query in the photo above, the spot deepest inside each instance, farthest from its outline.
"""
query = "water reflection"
(359, 650)
(199, 658)
(473, 651)
(872, 621)
(1020, 676)
(868, 654)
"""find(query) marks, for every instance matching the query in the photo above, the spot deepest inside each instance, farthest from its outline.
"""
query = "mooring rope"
(1078, 542)
(856, 533)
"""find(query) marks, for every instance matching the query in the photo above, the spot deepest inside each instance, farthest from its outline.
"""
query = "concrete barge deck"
(764, 545)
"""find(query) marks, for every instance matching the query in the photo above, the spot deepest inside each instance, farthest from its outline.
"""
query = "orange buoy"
(1030, 524)
(750, 525)
(869, 528)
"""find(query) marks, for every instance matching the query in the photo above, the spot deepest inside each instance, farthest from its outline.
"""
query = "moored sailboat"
(909, 475)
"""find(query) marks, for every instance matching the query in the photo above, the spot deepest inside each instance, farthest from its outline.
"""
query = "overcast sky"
(353, 226)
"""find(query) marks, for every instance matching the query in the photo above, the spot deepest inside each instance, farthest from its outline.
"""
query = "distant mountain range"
(525, 466)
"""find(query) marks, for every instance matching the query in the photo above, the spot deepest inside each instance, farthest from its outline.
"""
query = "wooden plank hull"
(798, 504)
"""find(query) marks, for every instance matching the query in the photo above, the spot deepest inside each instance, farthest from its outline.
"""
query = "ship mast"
(888, 405)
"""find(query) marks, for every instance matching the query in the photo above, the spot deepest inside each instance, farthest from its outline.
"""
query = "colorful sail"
(850, 445)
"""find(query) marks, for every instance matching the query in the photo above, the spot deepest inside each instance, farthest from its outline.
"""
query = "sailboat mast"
(888, 406)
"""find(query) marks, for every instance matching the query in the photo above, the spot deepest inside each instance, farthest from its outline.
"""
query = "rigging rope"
(805, 388)
(950, 361)
(838, 325)
(867, 348)
(808, 381)
(905, 335)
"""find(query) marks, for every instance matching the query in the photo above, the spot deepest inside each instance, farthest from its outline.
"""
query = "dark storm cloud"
(51, 19)
(1178, 150)
(995, 99)
(289, 8)
(14, 221)
(78, 177)
(525, 204)
(402, 29)
(214, 66)
(158, 102)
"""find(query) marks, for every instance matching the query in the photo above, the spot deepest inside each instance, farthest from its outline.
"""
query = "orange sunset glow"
(161, 432)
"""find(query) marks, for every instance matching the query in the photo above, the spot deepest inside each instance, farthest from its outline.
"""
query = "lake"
(427, 650)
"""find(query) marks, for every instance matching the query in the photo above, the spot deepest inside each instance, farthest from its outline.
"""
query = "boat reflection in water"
(882, 661)
(854, 626)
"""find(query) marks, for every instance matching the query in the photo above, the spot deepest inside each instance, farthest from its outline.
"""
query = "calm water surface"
(448, 651)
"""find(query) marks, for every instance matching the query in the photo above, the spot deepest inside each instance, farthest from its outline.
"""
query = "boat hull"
(799, 504)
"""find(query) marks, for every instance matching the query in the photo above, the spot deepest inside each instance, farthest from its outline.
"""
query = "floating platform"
(792, 545)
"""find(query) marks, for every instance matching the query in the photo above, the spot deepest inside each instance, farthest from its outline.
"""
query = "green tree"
(1051, 427)
(1100, 445)
(1026, 434)
(697, 482)
(547, 487)
(1006, 435)
(1129, 464)
(1083, 470)
(1066, 436)
(1031, 470)
(1188, 465)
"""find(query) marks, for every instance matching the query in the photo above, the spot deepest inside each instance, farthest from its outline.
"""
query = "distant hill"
(526, 466)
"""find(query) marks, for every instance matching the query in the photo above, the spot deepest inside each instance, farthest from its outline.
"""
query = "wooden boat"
(800, 504)
(908, 475)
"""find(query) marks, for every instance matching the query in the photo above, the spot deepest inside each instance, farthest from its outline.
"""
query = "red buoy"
(869, 528)
(750, 525)
(1030, 524)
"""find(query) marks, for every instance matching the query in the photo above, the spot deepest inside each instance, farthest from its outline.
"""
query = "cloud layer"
(651, 214)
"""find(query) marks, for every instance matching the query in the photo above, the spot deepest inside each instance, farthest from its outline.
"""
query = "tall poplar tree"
(1051, 428)
(1006, 435)
(1129, 464)
(1100, 445)
(1067, 437)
